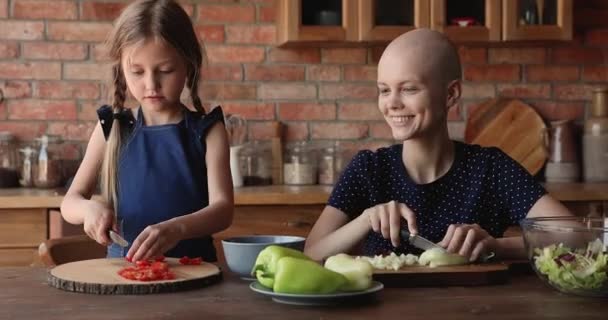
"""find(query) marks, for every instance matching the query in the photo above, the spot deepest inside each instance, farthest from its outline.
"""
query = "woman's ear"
(454, 92)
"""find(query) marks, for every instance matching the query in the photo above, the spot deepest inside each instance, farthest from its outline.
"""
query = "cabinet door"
(309, 22)
(464, 21)
(537, 20)
(384, 20)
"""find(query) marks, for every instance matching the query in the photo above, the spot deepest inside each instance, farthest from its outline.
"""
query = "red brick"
(295, 55)
(599, 73)
(71, 151)
(274, 72)
(552, 73)
(79, 31)
(79, 131)
(251, 111)
(86, 71)
(43, 9)
(498, 72)
(21, 30)
(296, 131)
(376, 54)
(24, 130)
(30, 70)
(213, 13)
(348, 91)
(597, 37)
(280, 91)
(9, 50)
(380, 130)
(68, 89)
(307, 111)
(472, 55)
(344, 55)
(478, 91)
(251, 34)
(2, 111)
(572, 92)
(3, 8)
(339, 130)
(88, 110)
(235, 54)
(359, 111)
(524, 90)
(577, 55)
(517, 55)
(323, 73)
(32, 109)
(262, 130)
(54, 51)
(95, 10)
(210, 33)
(360, 73)
(99, 52)
(267, 14)
(16, 89)
(222, 72)
(552, 110)
(228, 91)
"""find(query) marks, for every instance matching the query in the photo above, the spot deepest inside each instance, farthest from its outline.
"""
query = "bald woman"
(461, 196)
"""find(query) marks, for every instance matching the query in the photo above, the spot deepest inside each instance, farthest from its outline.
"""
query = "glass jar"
(9, 172)
(299, 166)
(27, 167)
(47, 170)
(331, 164)
(255, 160)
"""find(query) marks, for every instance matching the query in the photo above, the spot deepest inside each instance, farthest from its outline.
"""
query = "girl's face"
(411, 99)
(155, 74)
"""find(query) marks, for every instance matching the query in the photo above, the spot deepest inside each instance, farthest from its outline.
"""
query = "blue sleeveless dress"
(162, 174)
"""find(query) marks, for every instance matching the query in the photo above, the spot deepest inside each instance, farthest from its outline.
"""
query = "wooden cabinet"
(21, 231)
(362, 21)
(537, 20)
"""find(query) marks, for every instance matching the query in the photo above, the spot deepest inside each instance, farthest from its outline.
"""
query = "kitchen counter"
(282, 194)
(25, 295)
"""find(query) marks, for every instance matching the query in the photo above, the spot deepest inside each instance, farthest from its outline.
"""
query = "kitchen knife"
(425, 244)
(116, 238)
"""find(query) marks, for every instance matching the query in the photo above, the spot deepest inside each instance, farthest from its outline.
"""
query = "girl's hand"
(468, 240)
(385, 218)
(98, 220)
(155, 240)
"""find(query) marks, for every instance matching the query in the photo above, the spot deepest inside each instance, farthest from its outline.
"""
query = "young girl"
(165, 178)
(461, 196)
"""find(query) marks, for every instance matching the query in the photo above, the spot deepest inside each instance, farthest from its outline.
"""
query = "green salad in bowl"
(569, 253)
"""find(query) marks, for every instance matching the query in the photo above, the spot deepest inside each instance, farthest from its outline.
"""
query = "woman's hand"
(155, 240)
(98, 220)
(385, 218)
(468, 240)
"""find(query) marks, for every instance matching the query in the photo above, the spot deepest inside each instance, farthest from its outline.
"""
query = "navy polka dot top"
(483, 186)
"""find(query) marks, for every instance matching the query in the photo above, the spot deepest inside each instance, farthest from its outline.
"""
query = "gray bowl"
(241, 252)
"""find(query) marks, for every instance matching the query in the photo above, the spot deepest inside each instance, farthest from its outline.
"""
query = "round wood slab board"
(100, 276)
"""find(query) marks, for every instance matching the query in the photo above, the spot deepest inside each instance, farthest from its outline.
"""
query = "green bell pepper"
(357, 271)
(265, 266)
(300, 276)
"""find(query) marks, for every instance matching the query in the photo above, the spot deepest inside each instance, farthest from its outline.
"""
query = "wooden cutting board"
(511, 125)
(100, 276)
(465, 275)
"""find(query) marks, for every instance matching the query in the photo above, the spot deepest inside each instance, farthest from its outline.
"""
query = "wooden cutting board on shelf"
(511, 125)
(465, 275)
(100, 276)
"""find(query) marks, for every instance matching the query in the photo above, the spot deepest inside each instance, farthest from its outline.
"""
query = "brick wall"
(52, 67)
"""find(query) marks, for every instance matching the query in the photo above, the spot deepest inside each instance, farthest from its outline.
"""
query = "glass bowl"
(569, 253)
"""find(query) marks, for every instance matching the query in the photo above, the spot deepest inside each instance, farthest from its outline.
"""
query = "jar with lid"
(331, 164)
(9, 172)
(47, 169)
(255, 160)
(299, 166)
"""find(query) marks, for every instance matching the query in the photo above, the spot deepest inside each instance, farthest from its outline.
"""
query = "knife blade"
(425, 244)
(116, 238)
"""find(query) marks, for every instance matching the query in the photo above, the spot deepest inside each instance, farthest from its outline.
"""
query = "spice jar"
(331, 164)
(9, 174)
(27, 167)
(299, 167)
(47, 170)
(255, 160)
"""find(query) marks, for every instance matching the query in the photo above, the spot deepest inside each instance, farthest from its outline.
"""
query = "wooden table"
(24, 294)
